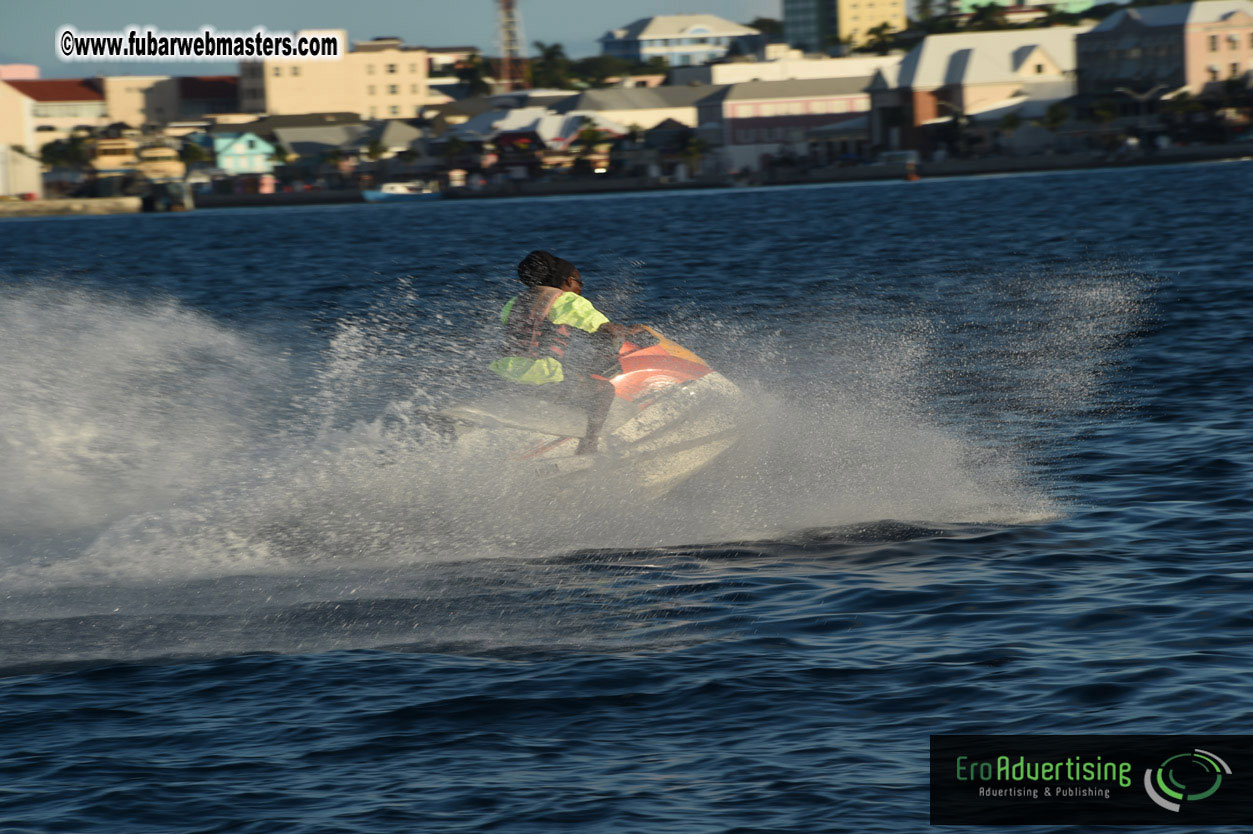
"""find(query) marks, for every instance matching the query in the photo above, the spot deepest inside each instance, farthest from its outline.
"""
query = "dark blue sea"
(997, 479)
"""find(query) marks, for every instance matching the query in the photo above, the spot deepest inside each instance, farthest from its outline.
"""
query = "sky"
(28, 27)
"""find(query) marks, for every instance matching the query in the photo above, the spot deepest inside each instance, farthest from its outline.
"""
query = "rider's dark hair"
(544, 269)
(535, 270)
(562, 269)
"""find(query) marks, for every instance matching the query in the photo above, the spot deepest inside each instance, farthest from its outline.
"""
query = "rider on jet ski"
(539, 324)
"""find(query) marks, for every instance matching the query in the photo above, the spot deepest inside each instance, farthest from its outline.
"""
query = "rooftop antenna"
(512, 74)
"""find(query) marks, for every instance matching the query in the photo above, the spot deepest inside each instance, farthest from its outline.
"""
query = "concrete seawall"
(92, 205)
(282, 198)
(1013, 165)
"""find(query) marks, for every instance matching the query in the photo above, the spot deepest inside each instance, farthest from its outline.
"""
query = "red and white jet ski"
(672, 416)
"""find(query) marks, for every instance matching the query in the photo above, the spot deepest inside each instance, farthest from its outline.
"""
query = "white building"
(682, 39)
(780, 63)
(20, 171)
(643, 107)
(973, 77)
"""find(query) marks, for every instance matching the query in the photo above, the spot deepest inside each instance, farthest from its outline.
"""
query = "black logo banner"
(1076, 780)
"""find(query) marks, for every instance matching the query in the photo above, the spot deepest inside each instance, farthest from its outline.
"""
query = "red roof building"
(60, 89)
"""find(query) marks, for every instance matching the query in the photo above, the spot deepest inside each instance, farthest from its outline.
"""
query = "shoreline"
(870, 173)
(624, 185)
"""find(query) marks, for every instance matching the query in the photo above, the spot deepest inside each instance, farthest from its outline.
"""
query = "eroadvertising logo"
(1194, 776)
(1075, 780)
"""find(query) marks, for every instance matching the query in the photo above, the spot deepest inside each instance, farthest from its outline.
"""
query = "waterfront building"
(61, 105)
(682, 39)
(816, 25)
(556, 130)
(949, 81)
(757, 120)
(205, 95)
(393, 137)
(139, 100)
(20, 171)
(642, 107)
(1157, 51)
(778, 62)
(237, 152)
(378, 79)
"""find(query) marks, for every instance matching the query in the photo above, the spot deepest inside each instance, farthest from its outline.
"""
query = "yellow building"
(814, 25)
(378, 79)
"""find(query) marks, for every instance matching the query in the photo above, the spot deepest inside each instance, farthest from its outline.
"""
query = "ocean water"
(997, 480)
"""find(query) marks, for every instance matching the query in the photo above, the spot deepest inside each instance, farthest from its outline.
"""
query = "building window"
(1235, 70)
(392, 89)
(394, 110)
(278, 71)
(1213, 73)
(369, 69)
(413, 68)
(413, 88)
(370, 89)
(252, 143)
(373, 112)
(1039, 69)
(391, 69)
(1213, 43)
(295, 70)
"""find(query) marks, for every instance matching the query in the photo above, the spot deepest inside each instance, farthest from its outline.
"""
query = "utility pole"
(512, 74)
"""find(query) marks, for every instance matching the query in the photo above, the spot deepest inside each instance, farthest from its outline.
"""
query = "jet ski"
(672, 416)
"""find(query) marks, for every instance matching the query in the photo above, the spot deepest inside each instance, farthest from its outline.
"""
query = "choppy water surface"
(998, 481)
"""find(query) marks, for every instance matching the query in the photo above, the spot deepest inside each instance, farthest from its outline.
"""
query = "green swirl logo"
(1186, 777)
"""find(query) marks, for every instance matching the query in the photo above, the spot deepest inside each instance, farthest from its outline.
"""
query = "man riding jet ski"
(663, 411)
(538, 326)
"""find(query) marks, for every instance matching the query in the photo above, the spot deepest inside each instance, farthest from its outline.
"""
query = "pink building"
(18, 72)
(756, 120)
(1175, 48)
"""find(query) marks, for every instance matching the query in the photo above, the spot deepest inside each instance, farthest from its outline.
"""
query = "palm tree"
(333, 157)
(693, 152)
(1103, 112)
(552, 68)
(879, 39)
(988, 16)
(1054, 117)
(588, 137)
(375, 150)
(65, 153)
(193, 154)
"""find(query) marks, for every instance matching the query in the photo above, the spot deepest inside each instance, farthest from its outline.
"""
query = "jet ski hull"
(672, 417)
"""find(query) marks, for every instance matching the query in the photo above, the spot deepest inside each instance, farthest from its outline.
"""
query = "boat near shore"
(396, 192)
